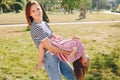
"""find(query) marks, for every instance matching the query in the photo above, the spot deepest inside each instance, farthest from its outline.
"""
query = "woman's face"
(36, 12)
(85, 60)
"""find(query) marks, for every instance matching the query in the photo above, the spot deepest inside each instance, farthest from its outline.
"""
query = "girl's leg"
(41, 53)
(52, 67)
(66, 70)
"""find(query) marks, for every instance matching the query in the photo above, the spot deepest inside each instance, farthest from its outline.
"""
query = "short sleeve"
(38, 34)
(48, 27)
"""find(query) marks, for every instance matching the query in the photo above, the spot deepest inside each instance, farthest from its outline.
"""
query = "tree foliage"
(0, 1)
(17, 6)
(12, 5)
(100, 4)
(22, 1)
(85, 3)
(68, 5)
(4, 6)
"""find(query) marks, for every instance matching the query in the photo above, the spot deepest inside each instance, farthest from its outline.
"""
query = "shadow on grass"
(116, 25)
(25, 30)
(80, 18)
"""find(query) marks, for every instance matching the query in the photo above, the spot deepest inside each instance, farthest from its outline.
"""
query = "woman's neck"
(38, 21)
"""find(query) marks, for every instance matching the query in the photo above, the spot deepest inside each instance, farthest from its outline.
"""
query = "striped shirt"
(39, 32)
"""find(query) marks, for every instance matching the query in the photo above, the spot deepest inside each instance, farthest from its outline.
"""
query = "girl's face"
(36, 12)
(85, 60)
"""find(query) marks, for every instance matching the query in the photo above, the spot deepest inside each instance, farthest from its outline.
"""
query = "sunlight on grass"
(13, 18)
(19, 56)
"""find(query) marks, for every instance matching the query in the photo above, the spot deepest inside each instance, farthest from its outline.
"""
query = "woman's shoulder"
(44, 22)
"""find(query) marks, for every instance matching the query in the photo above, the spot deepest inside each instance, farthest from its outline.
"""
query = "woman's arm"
(47, 45)
(56, 36)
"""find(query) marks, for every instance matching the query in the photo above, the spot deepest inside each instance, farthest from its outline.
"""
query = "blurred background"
(62, 5)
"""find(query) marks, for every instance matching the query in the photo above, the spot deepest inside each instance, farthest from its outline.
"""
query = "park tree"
(84, 5)
(68, 5)
(117, 2)
(119, 8)
(17, 6)
(23, 2)
(100, 4)
(0, 1)
(10, 4)
(50, 4)
(44, 3)
(4, 6)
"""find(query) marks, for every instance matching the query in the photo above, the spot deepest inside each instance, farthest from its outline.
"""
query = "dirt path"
(63, 23)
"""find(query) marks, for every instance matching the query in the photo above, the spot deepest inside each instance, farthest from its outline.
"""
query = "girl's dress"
(67, 45)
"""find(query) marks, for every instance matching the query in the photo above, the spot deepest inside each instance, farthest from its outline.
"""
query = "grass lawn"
(19, 56)
(13, 18)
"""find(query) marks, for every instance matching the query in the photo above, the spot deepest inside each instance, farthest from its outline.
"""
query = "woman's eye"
(38, 8)
(33, 11)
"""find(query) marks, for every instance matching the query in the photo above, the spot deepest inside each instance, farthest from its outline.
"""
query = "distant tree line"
(67, 5)
(12, 5)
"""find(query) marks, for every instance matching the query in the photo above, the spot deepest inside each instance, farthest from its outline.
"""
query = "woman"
(35, 16)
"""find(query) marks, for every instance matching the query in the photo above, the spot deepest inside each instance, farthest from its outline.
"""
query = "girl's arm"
(47, 45)
(40, 56)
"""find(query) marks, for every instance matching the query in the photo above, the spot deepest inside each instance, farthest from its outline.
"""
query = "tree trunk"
(82, 14)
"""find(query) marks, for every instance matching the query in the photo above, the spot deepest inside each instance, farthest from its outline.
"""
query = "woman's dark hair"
(45, 17)
(79, 70)
(27, 12)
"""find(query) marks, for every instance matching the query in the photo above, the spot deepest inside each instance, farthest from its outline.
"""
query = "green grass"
(13, 18)
(19, 56)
